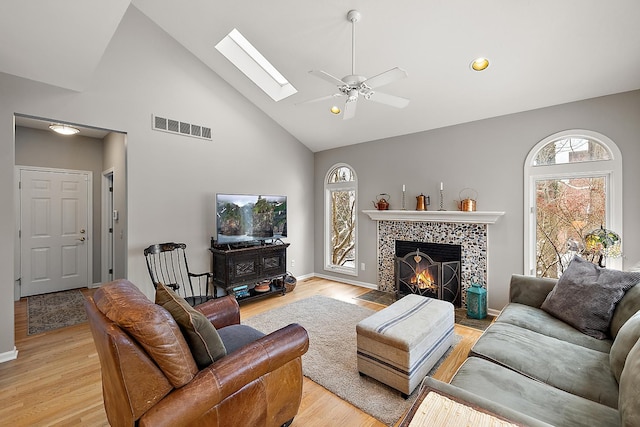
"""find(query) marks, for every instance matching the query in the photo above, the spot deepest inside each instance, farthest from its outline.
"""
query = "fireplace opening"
(428, 269)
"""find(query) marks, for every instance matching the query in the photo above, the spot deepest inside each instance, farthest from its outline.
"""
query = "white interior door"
(54, 230)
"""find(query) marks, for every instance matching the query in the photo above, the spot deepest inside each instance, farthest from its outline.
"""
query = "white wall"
(487, 155)
(172, 180)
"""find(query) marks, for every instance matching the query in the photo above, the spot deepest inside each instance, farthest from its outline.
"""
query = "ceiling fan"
(353, 86)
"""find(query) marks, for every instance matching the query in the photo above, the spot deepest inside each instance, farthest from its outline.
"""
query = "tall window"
(340, 220)
(572, 187)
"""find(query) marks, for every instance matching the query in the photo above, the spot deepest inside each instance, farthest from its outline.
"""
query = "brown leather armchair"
(256, 384)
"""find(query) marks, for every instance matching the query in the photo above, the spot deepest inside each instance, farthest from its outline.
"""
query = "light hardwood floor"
(56, 379)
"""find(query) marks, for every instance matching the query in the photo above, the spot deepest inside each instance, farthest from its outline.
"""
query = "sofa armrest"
(221, 312)
(529, 290)
(478, 401)
(226, 376)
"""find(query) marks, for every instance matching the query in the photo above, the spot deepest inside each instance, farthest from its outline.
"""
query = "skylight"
(247, 59)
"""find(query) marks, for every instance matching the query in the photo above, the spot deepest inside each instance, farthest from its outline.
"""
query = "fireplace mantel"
(434, 216)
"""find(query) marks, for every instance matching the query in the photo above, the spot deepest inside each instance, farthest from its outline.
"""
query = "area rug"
(388, 298)
(331, 360)
(56, 310)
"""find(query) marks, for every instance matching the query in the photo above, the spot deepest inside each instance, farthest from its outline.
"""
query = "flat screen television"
(243, 218)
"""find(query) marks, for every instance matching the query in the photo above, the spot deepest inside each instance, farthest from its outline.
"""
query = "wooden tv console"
(239, 270)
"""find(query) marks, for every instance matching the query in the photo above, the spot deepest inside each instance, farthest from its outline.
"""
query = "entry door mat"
(56, 310)
(388, 298)
(332, 357)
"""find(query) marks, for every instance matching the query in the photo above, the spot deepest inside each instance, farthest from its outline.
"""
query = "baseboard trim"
(347, 281)
(9, 355)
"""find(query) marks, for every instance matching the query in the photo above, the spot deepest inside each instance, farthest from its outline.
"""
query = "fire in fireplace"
(435, 275)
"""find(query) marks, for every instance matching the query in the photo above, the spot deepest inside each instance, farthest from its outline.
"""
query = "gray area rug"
(331, 360)
(56, 310)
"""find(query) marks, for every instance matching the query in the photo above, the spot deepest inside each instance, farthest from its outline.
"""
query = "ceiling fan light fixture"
(63, 129)
(479, 64)
(335, 110)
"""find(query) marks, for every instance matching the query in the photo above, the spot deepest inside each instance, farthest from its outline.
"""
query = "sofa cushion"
(151, 325)
(586, 296)
(531, 397)
(629, 405)
(627, 307)
(626, 339)
(569, 367)
(543, 323)
(237, 336)
(202, 337)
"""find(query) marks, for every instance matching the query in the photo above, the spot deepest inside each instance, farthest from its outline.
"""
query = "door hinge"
(19, 185)
(111, 271)
(19, 234)
(111, 189)
(111, 230)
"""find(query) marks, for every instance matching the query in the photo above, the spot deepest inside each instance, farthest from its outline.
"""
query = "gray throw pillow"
(202, 337)
(586, 296)
(628, 335)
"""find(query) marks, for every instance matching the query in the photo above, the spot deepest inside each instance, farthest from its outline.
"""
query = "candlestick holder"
(441, 200)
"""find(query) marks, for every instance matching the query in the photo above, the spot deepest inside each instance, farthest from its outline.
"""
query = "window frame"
(328, 188)
(611, 169)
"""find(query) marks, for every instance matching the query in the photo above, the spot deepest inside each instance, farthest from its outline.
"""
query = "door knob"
(82, 239)
(82, 231)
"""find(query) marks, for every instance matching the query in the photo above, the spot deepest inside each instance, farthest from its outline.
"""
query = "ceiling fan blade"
(350, 108)
(392, 100)
(387, 77)
(322, 98)
(327, 77)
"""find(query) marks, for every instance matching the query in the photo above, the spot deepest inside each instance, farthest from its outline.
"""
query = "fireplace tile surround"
(467, 229)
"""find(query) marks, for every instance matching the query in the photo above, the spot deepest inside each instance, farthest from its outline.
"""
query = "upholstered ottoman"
(400, 344)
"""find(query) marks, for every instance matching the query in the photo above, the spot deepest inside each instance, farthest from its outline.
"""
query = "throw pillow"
(202, 337)
(586, 295)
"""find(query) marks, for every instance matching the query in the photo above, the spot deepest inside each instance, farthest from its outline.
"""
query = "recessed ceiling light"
(237, 49)
(63, 129)
(480, 64)
(335, 109)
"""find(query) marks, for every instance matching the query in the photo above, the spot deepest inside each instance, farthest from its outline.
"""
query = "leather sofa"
(149, 376)
(533, 368)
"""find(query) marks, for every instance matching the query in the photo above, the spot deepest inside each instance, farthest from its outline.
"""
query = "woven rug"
(388, 298)
(331, 360)
(56, 310)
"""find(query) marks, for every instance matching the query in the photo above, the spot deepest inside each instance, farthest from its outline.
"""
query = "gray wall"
(42, 148)
(487, 155)
(172, 179)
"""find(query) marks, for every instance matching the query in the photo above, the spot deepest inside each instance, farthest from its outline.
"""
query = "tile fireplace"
(468, 230)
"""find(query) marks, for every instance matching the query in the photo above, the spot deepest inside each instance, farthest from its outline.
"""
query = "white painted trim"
(435, 216)
(347, 281)
(107, 212)
(9, 355)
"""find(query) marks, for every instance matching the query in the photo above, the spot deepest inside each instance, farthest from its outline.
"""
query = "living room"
(144, 71)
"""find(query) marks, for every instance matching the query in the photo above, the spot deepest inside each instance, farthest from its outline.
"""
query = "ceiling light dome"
(480, 64)
(63, 129)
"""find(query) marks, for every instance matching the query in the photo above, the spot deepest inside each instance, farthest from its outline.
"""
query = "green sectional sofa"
(534, 368)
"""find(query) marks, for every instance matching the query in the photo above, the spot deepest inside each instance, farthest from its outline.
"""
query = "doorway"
(93, 149)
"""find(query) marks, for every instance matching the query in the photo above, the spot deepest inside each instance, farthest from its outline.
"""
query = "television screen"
(243, 218)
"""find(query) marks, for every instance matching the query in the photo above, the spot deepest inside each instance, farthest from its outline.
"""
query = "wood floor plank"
(56, 379)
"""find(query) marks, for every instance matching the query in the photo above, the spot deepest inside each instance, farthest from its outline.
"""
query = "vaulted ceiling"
(542, 53)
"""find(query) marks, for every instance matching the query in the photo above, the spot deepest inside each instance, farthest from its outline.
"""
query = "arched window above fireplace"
(340, 242)
(572, 185)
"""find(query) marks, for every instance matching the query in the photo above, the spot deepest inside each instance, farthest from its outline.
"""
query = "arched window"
(340, 220)
(572, 186)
